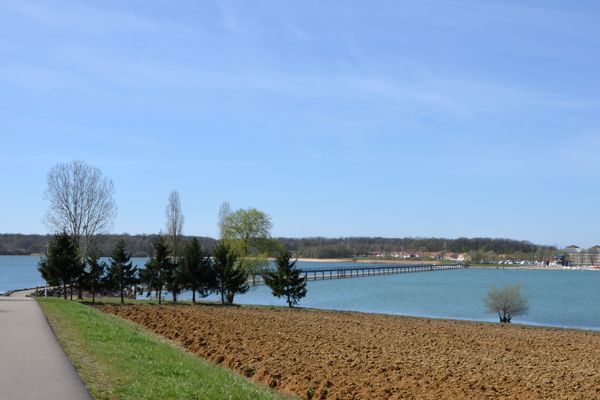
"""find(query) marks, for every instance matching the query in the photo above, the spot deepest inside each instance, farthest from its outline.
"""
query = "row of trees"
(81, 206)
(194, 271)
(225, 273)
(64, 266)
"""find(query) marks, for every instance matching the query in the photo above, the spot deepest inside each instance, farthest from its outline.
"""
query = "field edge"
(118, 359)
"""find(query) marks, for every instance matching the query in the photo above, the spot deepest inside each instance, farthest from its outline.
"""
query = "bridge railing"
(357, 271)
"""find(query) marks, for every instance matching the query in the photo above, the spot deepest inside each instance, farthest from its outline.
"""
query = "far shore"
(481, 266)
(538, 267)
(367, 261)
(329, 260)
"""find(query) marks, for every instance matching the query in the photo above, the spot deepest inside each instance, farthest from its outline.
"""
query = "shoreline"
(537, 268)
(493, 322)
(367, 261)
(325, 260)
(477, 266)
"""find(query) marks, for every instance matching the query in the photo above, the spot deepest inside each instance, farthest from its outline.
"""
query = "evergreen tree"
(150, 278)
(198, 270)
(122, 272)
(154, 275)
(95, 274)
(231, 278)
(286, 281)
(61, 266)
(81, 280)
(174, 277)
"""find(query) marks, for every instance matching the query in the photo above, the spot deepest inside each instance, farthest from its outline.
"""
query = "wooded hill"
(365, 246)
(315, 247)
(137, 245)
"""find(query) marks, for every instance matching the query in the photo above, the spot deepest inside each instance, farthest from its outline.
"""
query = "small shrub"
(507, 302)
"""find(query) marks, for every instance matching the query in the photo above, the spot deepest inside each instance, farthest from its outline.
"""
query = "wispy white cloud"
(100, 71)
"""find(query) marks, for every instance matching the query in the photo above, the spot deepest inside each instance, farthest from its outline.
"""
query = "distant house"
(594, 253)
(575, 255)
(453, 256)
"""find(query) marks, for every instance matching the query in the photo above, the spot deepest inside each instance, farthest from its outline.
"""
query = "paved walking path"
(33, 365)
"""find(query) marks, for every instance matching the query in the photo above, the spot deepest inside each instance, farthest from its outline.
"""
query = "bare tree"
(81, 202)
(507, 302)
(224, 212)
(174, 223)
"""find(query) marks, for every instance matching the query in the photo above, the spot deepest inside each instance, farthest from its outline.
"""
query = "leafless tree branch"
(81, 202)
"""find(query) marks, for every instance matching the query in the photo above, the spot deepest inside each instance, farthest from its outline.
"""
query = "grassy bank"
(121, 360)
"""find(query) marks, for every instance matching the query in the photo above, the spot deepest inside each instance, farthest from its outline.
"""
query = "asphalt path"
(33, 365)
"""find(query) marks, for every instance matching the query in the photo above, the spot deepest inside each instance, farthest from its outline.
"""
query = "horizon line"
(322, 237)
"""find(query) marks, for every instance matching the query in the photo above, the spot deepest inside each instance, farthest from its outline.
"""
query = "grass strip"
(121, 360)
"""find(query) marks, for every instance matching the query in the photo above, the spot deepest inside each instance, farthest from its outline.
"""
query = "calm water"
(557, 298)
(19, 272)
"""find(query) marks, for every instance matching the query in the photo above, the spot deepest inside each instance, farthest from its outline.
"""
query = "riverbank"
(329, 355)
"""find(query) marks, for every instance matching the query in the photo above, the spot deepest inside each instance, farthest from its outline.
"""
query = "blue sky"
(337, 118)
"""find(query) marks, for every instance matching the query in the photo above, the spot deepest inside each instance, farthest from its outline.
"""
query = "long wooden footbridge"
(358, 271)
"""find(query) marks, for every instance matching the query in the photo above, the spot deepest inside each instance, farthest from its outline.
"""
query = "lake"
(556, 298)
(20, 272)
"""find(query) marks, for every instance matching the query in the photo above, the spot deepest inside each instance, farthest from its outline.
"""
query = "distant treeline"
(364, 246)
(137, 245)
(316, 247)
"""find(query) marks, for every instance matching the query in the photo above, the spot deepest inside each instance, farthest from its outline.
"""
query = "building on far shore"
(575, 255)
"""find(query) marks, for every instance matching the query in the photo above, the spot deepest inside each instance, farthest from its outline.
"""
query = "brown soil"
(341, 355)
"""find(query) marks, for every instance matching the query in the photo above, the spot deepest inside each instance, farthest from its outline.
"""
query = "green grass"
(118, 359)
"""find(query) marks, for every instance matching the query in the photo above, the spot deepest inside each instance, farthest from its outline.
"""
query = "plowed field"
(340, 355)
